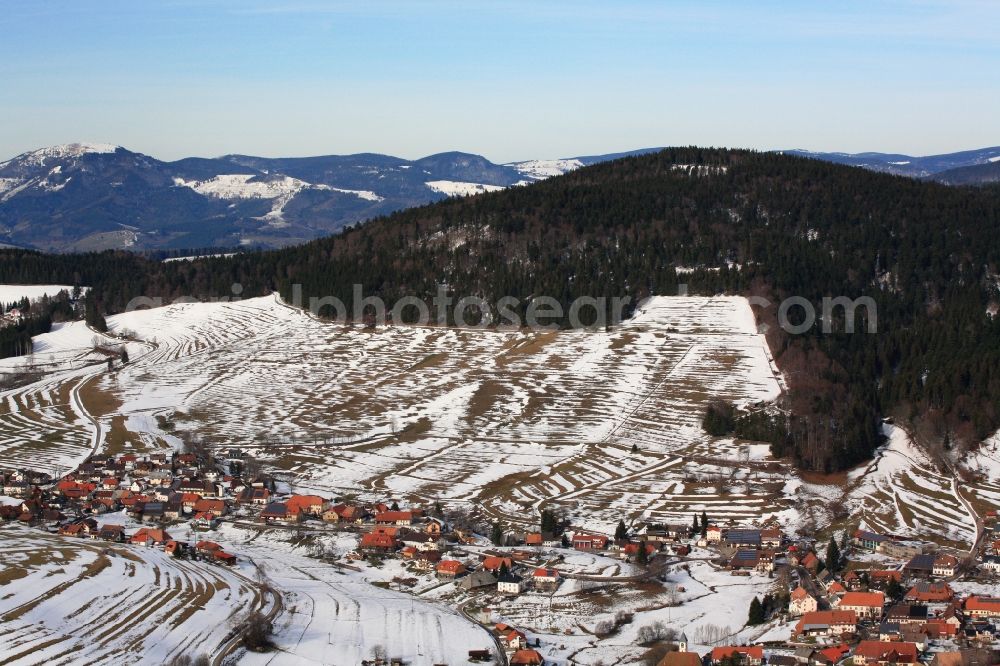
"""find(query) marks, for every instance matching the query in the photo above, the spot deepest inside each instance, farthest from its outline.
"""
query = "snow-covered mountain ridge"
(79, 196)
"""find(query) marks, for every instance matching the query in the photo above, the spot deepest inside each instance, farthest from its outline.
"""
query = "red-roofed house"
(526, 658)
(450, 569)
(224, 557)
(216, 506)
(207, 547)
(939, 629)
(379, 543)
(827, 623)
(865, 604)
(546, 578)
(308, 504)
(589, 541)
(801, 602)
(930, 593)
(835, 653)
(945, 565)
(749, 655)
(982, 607)
(148, 536)
(394, 518)
(493, 563)
(810, 562)
(204, 520)
(884, 652)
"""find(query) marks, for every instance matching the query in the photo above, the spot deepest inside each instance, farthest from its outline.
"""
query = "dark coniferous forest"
(759, 224)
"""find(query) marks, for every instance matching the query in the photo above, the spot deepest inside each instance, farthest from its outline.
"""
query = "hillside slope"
(738, 222)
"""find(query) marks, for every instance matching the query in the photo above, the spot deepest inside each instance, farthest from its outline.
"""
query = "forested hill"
(755, 223)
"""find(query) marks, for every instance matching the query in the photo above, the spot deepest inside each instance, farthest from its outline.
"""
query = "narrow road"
(500, 651)
(232, 642)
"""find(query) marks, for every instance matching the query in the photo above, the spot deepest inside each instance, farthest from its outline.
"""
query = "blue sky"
(508, 79)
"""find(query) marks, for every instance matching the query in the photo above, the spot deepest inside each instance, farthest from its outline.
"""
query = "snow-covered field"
(605, 424)
(11, 293)
(455, 188)
(505, 419)
(539, 169)
(75, 601)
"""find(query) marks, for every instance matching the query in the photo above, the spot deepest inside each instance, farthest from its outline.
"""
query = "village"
(865, 599)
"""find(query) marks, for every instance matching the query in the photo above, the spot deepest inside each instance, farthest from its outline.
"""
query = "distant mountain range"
(969, 167)
(80, 196)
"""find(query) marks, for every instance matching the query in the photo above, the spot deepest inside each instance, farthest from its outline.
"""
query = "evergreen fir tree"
(756, 615)
(833, 556)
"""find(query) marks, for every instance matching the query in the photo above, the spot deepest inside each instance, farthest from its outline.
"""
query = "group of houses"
(902, 611)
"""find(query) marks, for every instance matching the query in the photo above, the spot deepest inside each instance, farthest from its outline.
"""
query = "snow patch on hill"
(454, 188)
(541, 169)
(248, 186)
(40, 156)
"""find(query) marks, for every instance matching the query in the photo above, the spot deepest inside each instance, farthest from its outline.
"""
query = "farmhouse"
(114, 533)
(880, 652)
(257, 495)
(742, 538)
(401, 518)
(680, 659)
(509, 583)
(880, 579)
(945, 565)
(924, 592)
(920, 565)
(747, 655)
(512, 638)
(545, 578)
(216, 506)
(225, 558)
(378, 543)
(867, 605)
(526, 658)
(906, 614)
(589, 541)
(770, 538)
(869, 540)
(982, 607)
(745, 560)
(148, 536)
(478, 579)
(827, 623)
(306, 504)
(277, 512)
(493, 563)
(450, 569)
(204, 520)
(810, 561)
